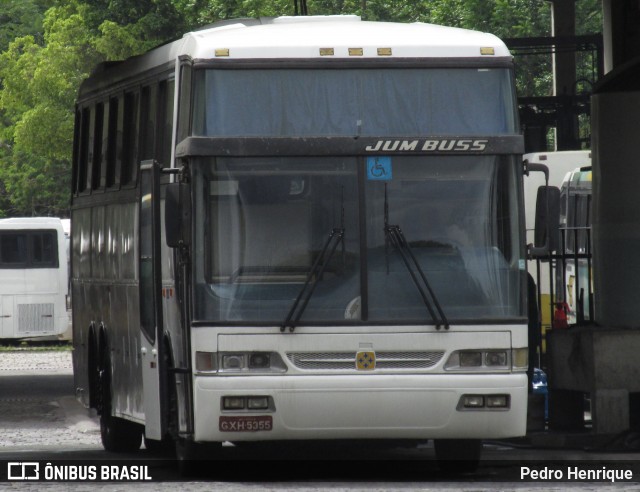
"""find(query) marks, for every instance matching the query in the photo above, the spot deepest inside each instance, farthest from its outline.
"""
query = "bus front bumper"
(360, 407)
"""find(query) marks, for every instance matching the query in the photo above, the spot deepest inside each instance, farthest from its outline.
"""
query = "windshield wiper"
(317, 270)
(394, 234)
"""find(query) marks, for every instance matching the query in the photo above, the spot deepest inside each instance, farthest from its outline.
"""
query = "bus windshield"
(262, 222)
(354, 102)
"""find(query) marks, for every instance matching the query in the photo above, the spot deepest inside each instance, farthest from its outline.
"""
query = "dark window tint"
(43, 248)
(130, 138)
(13, 248)
(28, 249)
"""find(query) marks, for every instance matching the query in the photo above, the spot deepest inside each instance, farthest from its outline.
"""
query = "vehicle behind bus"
(33, 279)
(560, 165)
(573, 271)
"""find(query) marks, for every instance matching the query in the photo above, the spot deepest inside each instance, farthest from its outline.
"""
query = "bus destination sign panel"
(429, 145)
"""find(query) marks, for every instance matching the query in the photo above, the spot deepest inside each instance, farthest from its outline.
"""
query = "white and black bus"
(302, 228)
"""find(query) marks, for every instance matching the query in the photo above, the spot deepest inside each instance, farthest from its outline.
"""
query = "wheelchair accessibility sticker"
(379, 168)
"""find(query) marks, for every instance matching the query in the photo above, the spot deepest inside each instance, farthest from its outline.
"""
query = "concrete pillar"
(610, 411)
(621, 32)
(563, 23)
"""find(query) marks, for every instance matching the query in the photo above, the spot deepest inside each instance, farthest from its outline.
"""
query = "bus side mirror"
(547, 227)
(177, 215)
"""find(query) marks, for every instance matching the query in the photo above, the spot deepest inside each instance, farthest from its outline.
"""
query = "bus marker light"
(384, 52)
(222, 52)
(258, 402)
(520, 357)
(473, 401)
(356, 51)
(498, 401)
(326, 51)
(233, 403)
(205, 361)
(487, 51)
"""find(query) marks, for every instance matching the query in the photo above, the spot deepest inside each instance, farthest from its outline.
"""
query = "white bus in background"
(34, 280)
(576, 283)
(560, 164)
(66, 227)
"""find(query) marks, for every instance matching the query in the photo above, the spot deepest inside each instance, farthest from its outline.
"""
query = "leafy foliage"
(47, 47)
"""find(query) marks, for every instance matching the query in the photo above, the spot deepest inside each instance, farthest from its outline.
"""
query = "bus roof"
(338, 37)
(314, 37)
(568, 159)
(30, 223)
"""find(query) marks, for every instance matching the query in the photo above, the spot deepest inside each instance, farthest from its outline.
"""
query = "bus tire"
(458, 455)
(164, 448)
(186, 457)
(118, 435)
(93, 369)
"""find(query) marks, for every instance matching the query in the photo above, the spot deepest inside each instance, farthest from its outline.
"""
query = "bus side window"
(583, 220)
(184, 105)
(75, 159)
(44, 249)
(130, 130)
(112, 137)
(13, 249)
(97, 136)
(148, 121)
(85, 149)
(165, 125)
(571, 221)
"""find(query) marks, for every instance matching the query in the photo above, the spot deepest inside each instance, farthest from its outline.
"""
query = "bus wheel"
(186, 456)
(161, 448)
(458, 455)
(117, 435)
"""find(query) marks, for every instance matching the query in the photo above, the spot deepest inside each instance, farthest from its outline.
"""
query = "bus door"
(150, 301)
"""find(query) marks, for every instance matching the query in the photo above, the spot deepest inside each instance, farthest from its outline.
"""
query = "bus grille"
(336, 361)
(35, 318)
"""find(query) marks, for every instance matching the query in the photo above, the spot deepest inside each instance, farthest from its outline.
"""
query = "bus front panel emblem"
(366, 361)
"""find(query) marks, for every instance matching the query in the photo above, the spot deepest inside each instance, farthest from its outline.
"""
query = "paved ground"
(41, 414)
(29, 360)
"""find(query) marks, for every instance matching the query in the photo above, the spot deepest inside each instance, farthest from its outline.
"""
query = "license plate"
(246, 423)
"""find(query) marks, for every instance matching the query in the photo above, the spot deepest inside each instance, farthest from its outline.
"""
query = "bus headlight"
(239, 362)
(259, 360)
(493, 359)
(232, 362)
(479, 360)
(470, 359)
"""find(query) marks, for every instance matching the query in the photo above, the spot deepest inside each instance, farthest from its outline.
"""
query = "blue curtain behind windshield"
(371, 102)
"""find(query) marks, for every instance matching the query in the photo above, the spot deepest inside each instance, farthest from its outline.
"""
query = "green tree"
(20, 18)
(45, 56)
(40, 84)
